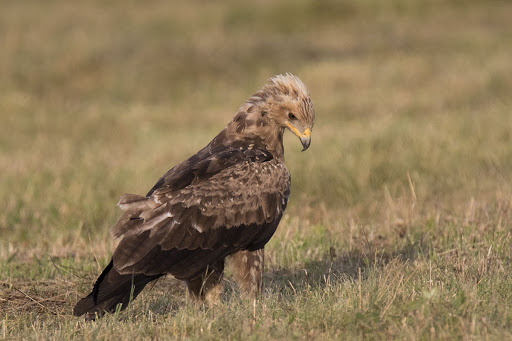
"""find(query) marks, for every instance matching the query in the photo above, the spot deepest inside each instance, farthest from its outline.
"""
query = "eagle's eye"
(291, 116)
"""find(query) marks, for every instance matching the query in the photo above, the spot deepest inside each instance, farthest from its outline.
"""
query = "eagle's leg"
(208, 286)
(248, 271)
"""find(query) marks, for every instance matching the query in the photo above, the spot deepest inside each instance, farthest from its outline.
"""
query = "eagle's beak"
(305, 139)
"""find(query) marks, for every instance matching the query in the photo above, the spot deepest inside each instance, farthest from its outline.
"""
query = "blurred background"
(413, 103)
(400, 218)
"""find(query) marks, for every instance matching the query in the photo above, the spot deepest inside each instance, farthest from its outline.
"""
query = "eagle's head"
(282, 103)
(289, 105)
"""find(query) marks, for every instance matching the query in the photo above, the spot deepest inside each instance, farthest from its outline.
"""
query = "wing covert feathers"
(227, 210)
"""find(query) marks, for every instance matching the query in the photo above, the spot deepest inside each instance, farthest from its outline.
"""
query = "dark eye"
(291, 116)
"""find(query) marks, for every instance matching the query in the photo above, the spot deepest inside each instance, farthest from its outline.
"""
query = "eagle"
(224, 201)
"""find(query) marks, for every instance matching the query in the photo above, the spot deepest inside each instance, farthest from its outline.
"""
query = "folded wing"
(233, 201)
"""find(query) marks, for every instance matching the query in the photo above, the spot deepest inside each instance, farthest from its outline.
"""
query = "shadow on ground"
(340, 265)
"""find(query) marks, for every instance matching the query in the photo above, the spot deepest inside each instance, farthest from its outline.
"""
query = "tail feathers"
(110, 290)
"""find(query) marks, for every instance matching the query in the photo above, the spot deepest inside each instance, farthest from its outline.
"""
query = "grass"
(400, 220)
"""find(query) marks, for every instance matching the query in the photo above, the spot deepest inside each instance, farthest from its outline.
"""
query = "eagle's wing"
(231, 200)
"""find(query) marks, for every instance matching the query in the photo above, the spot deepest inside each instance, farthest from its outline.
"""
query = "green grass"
(400, 220)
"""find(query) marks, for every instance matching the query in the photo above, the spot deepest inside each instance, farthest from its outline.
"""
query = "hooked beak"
(305, 137)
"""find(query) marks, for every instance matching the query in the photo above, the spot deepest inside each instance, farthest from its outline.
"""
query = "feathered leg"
(209, 285)
(248, 271)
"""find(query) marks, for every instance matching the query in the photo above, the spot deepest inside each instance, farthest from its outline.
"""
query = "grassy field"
(400, 220)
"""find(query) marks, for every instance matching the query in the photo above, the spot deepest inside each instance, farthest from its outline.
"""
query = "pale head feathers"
(286, 84)
(288, 92)
(283, 102)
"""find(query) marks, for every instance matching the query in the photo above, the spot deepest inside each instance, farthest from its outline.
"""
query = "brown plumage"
(226, 200)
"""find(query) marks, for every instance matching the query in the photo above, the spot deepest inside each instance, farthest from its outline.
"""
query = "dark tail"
(110, 290)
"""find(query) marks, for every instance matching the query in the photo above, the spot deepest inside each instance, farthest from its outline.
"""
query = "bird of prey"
(226, 200)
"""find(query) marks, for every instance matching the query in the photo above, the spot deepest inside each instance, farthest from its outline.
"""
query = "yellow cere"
(307, 132)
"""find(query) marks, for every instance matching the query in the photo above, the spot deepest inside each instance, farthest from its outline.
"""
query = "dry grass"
(400, 221)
